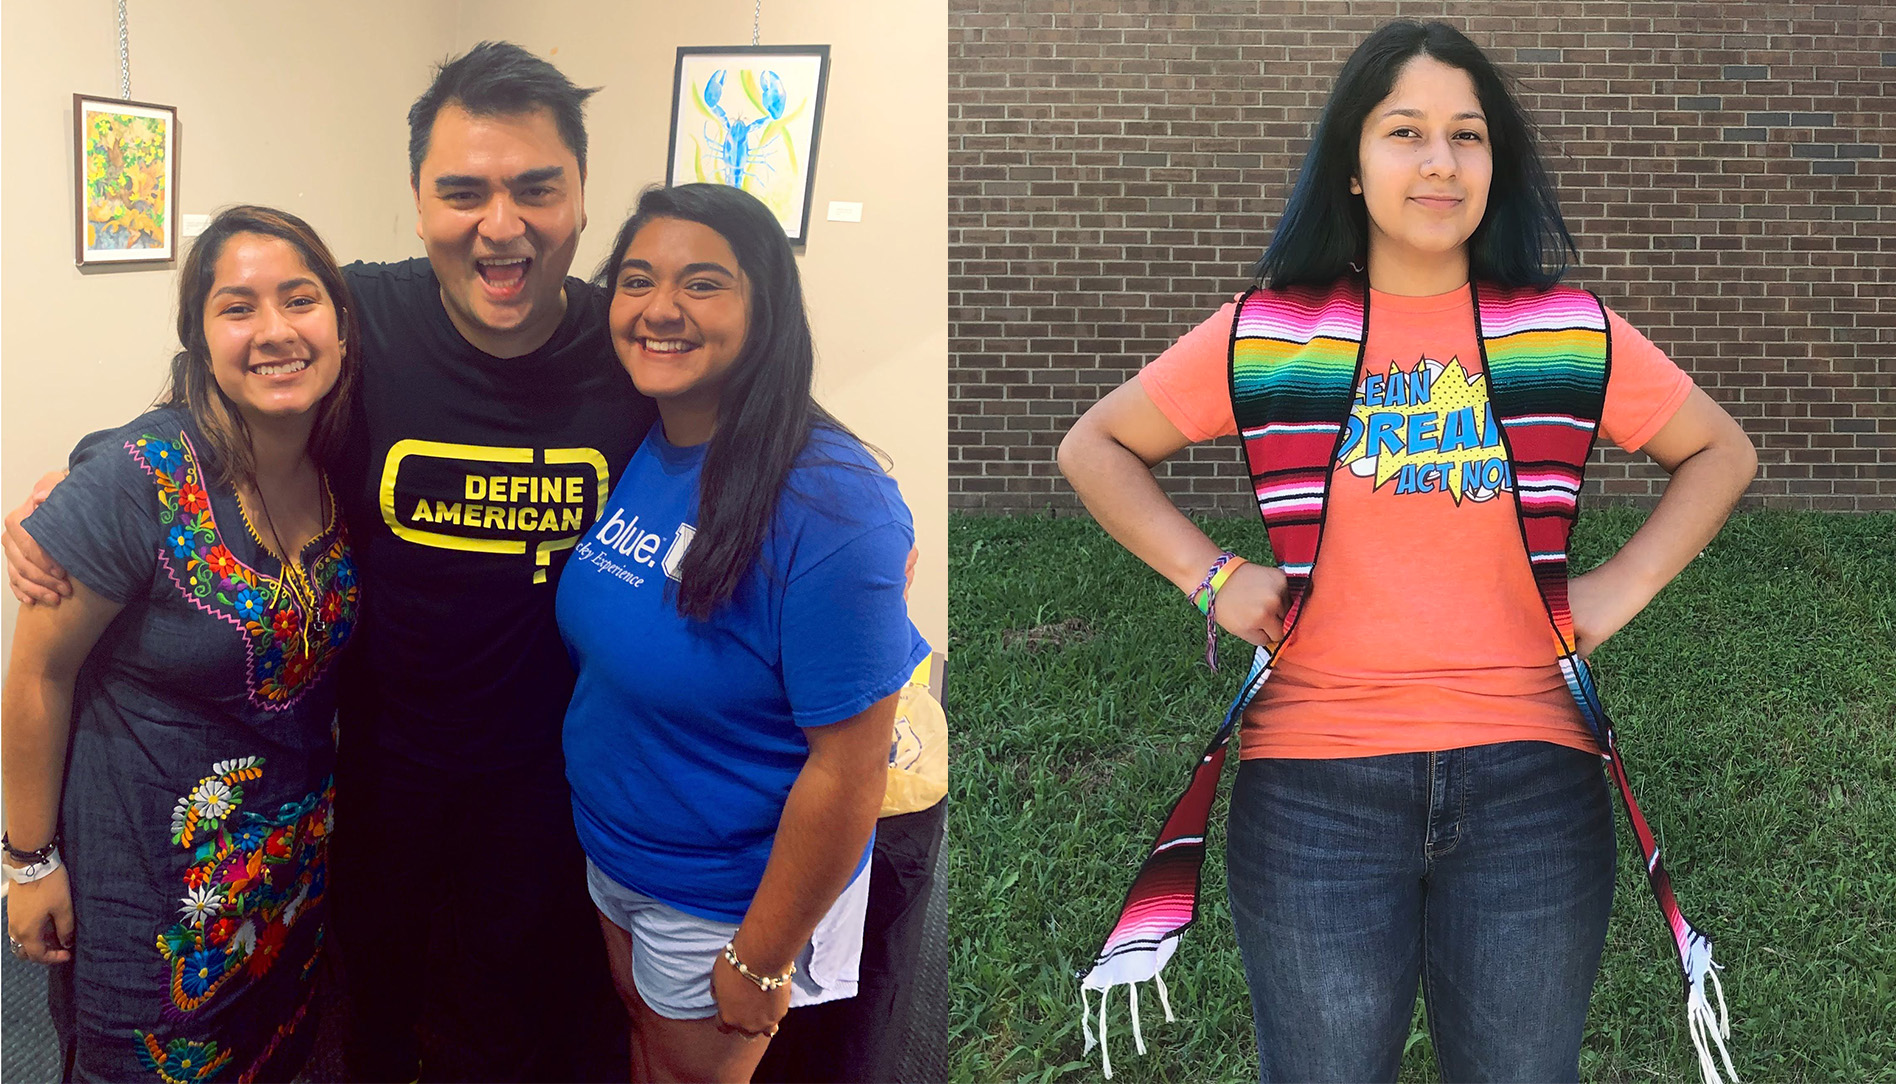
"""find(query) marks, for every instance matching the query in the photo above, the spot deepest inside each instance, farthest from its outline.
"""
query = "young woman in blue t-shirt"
(737, 624)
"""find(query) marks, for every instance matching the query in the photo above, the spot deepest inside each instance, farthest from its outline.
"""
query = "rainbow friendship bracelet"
(1205, 597)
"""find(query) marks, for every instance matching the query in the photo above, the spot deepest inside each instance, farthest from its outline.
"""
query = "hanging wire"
(757, 15)
(124, 55)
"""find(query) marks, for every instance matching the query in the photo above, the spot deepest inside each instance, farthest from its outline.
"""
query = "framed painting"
(127, 169)
(750, 116)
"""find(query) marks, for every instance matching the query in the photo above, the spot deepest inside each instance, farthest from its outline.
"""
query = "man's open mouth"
(504, 274)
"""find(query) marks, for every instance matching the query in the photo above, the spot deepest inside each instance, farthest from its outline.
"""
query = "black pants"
(859, 1039)
(469, 947)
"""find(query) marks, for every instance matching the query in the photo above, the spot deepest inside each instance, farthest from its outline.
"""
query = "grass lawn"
(1756, 704)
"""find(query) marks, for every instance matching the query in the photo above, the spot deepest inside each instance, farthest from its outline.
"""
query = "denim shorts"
(1483, 875)
(672, 951)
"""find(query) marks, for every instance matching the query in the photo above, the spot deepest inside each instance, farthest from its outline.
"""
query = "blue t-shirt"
(683, 738)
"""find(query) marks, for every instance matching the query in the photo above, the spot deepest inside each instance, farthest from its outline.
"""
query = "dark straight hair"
(1324, 231)
(193, 385)
(766, 414)
(499, 78)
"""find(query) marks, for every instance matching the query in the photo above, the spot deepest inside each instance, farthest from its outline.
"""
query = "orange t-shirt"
(1423, 630)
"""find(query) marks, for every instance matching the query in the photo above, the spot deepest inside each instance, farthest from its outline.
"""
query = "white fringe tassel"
(1710, 1029)
(1138, 1034)
(1138, 1040)
(1086, 1021)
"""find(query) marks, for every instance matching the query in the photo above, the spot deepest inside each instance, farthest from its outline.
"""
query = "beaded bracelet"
(1205, 597)
(766, 983)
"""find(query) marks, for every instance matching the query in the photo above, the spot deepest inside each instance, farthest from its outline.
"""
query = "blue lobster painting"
(739, 149)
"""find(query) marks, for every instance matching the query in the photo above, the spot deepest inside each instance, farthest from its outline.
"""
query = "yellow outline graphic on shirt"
(401, 450)
(543, 554)
(556, 457)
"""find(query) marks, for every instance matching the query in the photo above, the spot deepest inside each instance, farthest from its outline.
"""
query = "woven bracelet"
(1205, 597)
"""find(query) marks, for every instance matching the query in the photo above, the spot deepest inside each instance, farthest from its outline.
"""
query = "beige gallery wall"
(308, 113)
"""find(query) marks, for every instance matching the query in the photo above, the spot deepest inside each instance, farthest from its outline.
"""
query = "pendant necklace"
(302, 591)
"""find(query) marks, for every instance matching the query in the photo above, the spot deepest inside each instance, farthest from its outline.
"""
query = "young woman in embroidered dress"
(737, 624)
(1420, 798)
(167, 745)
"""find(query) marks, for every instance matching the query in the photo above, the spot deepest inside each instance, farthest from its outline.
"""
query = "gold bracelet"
(766, 983)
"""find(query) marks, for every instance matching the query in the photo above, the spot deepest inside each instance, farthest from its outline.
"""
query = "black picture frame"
(710, 142)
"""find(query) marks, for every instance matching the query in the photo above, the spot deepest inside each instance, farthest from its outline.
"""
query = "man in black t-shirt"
(492, 417)
(492, 420)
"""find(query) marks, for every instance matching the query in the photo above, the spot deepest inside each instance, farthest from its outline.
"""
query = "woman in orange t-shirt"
(1419, 799)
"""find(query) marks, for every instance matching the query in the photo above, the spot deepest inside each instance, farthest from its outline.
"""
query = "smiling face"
(271, 329)
(500, 205)
(1423, 168)
(680, 311)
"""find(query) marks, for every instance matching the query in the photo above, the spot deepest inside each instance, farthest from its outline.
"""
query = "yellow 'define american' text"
(514, 502)
(521, 496)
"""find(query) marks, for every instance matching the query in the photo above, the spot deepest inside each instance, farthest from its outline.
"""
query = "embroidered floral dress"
(196, 805)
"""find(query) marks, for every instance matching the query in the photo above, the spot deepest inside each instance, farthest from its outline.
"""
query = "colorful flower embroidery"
(251, 877)
(181, 1061)
(213, 798)
(201, 971)
(249, 605)
(202, 903)
(269, 944)
(284, 659)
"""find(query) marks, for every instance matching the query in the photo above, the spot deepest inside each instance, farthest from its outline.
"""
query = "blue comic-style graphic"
(1429, 430)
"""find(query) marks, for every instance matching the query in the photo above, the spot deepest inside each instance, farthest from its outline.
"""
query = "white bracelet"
(766, 983)
(26, 875)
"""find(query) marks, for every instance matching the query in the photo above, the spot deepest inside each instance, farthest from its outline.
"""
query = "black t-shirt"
(468, 479)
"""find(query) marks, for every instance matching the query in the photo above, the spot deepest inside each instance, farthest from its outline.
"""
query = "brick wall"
(1728, 169)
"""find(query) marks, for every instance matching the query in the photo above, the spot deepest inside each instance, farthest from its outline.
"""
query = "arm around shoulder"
(33, 577)
(32, 574)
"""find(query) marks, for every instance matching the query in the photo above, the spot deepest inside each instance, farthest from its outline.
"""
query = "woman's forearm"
(826, 822)
(38, 709)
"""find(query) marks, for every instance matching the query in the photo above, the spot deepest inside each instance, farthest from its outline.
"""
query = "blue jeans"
(1485, 874)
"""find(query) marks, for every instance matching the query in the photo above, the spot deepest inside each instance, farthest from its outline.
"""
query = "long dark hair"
(192, 384)
(766, 414)
(1522, 239)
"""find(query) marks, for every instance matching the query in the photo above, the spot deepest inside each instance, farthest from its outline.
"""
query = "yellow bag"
(918, 757)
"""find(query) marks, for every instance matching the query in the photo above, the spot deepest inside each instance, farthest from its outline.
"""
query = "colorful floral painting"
(127, 181)
(750, 118)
